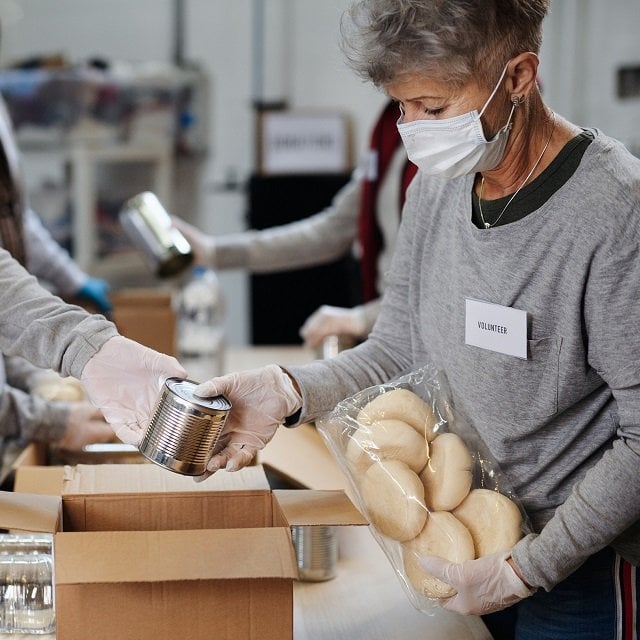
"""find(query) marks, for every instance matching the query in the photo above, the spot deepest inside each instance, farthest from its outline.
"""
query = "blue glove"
(96, 291)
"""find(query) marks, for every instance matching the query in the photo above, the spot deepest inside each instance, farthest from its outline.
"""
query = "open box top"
(29, 512)
(141, 522)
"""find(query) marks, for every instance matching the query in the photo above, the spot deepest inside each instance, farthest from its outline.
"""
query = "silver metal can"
(316, 549)
(184, 429)
(330, 347)
(149, 227)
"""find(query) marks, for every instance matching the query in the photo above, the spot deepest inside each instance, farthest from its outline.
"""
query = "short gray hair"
(449, 39)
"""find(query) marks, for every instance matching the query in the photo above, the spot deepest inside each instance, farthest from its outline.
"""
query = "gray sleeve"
(19, 372)
(383, 356)
(41, 328)
(601, 506)
(318, 239)
(370, 311)
(47, 260)
(27, 417)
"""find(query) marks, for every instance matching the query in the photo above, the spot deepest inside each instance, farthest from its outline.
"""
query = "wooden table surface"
(366, 600)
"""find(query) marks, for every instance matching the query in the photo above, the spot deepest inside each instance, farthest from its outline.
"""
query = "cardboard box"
(35, 453)
(146, 316)
(144, 553)
(46, 480)
(300, 458)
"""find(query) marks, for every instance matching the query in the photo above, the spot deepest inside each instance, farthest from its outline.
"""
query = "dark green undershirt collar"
(536, 193)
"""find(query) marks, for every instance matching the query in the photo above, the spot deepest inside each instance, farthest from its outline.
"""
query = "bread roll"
(493, 519)
(448, 474)
(443, 536)
(393, 498)
(401, 404)
(51, 386)
(386, 440)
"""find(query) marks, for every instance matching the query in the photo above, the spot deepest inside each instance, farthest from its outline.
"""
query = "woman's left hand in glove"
(484, 585)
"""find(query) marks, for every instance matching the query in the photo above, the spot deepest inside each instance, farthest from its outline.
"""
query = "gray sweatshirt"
(41, 328)
(563, 424)
(21, 413)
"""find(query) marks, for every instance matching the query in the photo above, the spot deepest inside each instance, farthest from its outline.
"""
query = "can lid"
(184, 390)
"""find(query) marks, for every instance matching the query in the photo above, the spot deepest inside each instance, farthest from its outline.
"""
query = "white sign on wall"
(300, 142)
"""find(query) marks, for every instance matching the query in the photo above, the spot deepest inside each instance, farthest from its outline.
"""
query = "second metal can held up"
(149, 227)
(184, 428)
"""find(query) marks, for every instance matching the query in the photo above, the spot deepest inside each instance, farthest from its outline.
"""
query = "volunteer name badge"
(497, 328)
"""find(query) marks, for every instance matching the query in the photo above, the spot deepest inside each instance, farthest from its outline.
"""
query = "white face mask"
(454, 147)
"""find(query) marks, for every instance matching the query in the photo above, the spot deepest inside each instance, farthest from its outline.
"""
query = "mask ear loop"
(495, 90)
(401, 118)
(516, 101)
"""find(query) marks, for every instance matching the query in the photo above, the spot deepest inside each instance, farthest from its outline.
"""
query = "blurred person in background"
(366, 212)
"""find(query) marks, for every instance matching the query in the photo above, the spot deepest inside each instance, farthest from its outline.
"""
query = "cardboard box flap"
(27, 512)
(300, 457)
(150, 478)
(35, 453)
(161, 556)
(318, 508)
(43, 480)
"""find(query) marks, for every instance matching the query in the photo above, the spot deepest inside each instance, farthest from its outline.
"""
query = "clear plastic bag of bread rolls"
(423, 479)
(50, 385)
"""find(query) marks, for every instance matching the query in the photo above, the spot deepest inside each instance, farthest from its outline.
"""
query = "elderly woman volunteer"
(521, 220)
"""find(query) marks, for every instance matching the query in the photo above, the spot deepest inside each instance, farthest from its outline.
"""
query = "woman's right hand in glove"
(261, 400)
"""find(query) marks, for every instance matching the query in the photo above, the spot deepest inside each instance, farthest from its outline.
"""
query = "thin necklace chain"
(488, 225)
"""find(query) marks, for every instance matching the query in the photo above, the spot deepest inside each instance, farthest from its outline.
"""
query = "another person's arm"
(318, 239)
(48, 261)
(26, 418)
(355, 322)
(122, 378)
(38, 405)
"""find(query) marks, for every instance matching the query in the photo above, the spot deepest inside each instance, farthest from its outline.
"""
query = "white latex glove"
(332, 321)
(484, 585)
(85, 425)
(124, 380)
(203, 245)
(261, 400)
